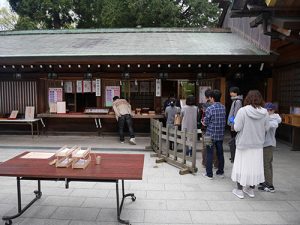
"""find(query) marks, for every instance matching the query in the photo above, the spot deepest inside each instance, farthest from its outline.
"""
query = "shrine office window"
(79, 95)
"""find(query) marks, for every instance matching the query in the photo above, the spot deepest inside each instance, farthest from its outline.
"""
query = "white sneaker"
(222, 176)
(122, 142)
(249, 191)
(205, 175)
(132, 141)
(238, 193)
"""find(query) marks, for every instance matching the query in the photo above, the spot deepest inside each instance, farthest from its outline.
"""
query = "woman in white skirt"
(251, 123)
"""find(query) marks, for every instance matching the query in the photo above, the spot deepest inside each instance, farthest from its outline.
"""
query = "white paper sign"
(38, 155)
(98, 87)
(61, 107)
(13, 114)
(29, 113)
(52, 107)
(87, 86)
(158, 87)
(68, 87)
(79, 86)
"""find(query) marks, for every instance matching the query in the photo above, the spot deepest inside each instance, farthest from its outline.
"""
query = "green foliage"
(198, 13)
(155, 13)
(51, 14)
(88, 13)
(115, 13)
(25, 23)
(57, 14)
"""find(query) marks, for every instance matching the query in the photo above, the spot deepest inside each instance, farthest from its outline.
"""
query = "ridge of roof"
(117, 30)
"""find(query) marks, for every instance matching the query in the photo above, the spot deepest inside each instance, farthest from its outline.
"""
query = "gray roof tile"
(124, 42)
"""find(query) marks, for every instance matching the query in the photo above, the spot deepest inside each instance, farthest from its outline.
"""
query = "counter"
(87, 124)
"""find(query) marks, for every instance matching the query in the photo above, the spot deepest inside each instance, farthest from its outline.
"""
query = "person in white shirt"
(123, 114)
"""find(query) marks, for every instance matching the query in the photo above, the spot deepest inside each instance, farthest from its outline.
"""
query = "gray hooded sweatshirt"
(251, 124)
(237, 103)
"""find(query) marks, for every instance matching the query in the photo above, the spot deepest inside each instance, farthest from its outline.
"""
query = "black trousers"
(232, 145)
(121, 123)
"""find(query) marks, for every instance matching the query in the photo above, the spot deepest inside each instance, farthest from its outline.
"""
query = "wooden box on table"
(81, 158)
(64, 156)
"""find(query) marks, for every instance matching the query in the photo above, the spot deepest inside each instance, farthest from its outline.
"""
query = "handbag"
(207, 140)
(177, 120)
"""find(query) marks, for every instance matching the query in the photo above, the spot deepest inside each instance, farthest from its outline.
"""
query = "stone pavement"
(163, 196)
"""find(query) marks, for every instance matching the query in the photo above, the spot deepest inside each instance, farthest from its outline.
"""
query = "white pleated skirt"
(248, 167)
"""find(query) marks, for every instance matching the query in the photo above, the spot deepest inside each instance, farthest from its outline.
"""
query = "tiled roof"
(124, 42)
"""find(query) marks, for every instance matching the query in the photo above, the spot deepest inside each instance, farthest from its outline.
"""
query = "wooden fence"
(161, 139)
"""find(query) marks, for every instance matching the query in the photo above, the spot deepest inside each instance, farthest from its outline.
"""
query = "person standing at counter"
(168, 101)
(237, 103)
(189, 114)
(215, 121)
(170, 113)
(123, 114)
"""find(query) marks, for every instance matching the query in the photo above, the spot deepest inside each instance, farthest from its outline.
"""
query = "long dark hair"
(190, 100)
(254, 98)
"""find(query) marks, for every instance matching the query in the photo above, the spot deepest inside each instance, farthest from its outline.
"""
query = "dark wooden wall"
(287, 87)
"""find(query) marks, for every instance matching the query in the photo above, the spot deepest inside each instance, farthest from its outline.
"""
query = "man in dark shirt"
(168, 101)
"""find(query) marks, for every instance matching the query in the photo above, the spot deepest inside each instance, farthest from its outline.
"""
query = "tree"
(8, 19)
(155, 13)
(198, 13)
(115, 13)
(126, 13)
(50, 14)
(88, 13)
(57, 14)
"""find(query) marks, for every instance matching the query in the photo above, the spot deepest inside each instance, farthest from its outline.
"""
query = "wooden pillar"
(269, 90)
(41, 103)
(223, 89)
(157, 104)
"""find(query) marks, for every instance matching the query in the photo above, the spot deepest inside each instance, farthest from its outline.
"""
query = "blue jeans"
(121, 122)
(209, 158)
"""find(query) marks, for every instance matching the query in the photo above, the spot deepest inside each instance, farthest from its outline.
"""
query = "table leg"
(100, 126)
(119, 207)
(38, 194)
(31, 129)
(37, 128)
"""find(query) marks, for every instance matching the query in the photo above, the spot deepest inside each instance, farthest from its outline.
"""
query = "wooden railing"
(178, 155)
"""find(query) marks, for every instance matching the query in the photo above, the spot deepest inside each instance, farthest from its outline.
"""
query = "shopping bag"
(177, 120)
